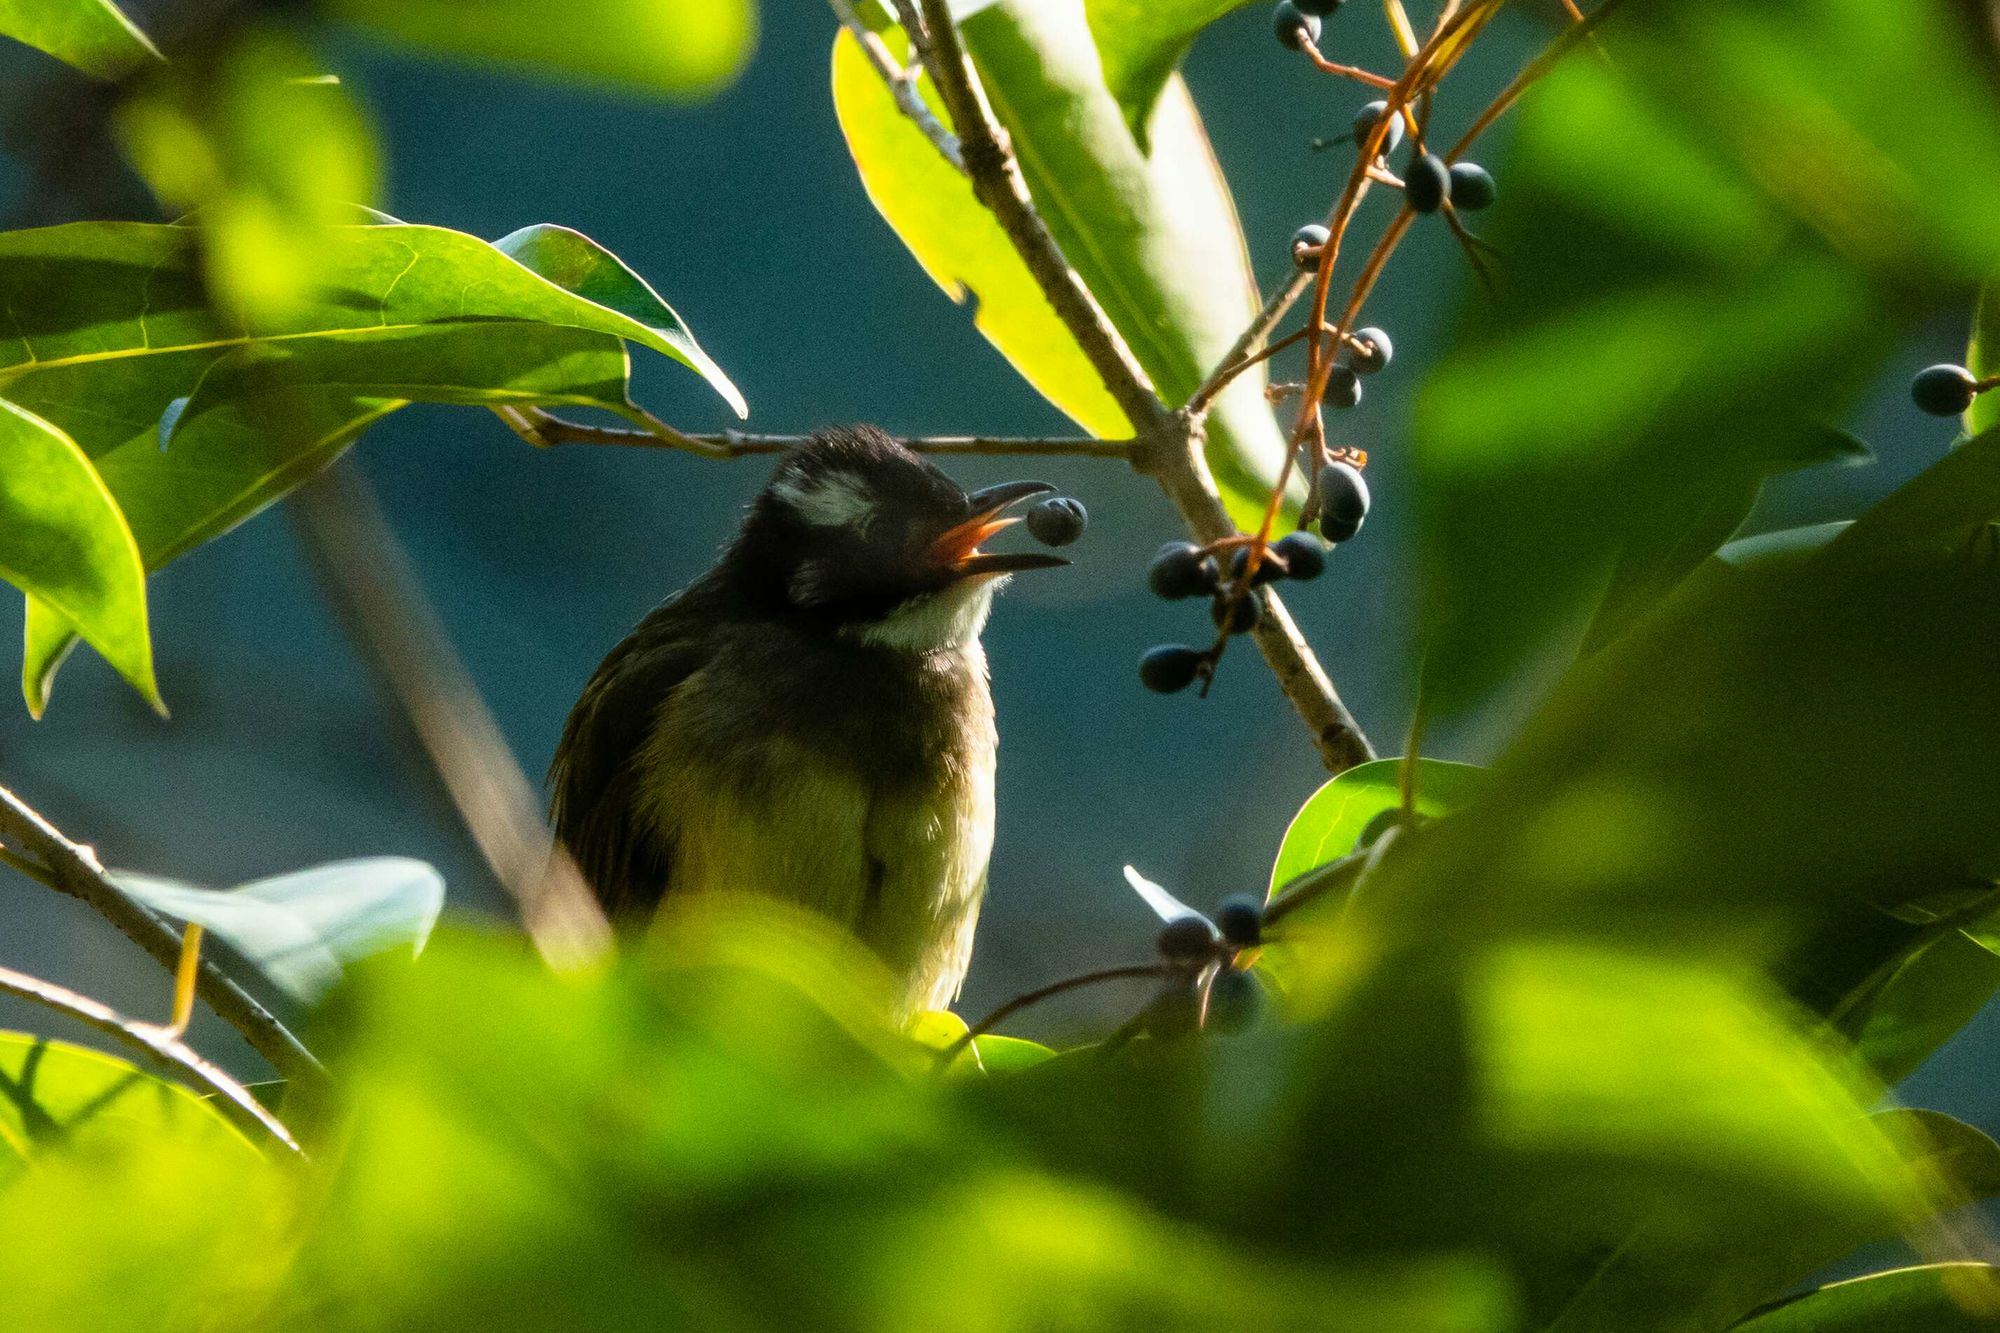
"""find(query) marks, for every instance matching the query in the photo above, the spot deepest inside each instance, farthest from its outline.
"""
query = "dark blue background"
(747, 215)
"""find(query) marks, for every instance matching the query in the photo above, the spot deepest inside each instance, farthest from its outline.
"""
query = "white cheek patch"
(833, 500)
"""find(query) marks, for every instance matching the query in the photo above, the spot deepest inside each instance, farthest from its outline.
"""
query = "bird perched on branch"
(810, 719)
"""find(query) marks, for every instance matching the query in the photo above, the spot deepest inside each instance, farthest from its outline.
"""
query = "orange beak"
(956, 549)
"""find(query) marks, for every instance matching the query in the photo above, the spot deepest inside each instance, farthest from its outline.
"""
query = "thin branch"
(1251, 341)
(901, 86)
(1338, 737)
(1536, 68)
(368, 580)
(998, 184)
(545, 429)
(73, 869)
(162, 1044)
(1050, 991)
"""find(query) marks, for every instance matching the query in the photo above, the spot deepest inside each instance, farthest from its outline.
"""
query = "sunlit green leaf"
(931, 208)
(1333, 818)
(1140, 43)
(1982, 358)
(304, 928)
(59, 1097)
(680, 48)
(575, 263)
(112, 326)
(93, 35)
(1153, 232)
(1935, 1298)
(64, 542)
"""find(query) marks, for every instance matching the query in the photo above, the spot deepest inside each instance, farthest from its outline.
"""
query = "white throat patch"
(949, 619)
(832, 500)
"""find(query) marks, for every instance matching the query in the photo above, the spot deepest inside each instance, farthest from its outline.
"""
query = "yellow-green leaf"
(64, 542)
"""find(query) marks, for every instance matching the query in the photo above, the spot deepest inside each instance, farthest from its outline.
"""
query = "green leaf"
(59, 1097)
(93, 35)
(1333, 818)
(575, 263)
(1950, 1159)
(1676, 316)
(1153, 232)
(931, 208)
(479, 365)
(111, 326)
(64, 542)
(1932, 1298)
(678, 48)
(1936, 508)
(1982, 358)
(1924, 1000)
(1654, 564)
(263, 155)
(1141, 43)
(304, 928)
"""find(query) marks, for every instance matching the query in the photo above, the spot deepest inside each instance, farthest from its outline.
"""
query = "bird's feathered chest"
(856, 780)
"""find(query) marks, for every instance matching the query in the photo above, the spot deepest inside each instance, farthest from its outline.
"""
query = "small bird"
(811, 718)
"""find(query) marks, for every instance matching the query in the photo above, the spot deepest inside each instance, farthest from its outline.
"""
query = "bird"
(811, 719)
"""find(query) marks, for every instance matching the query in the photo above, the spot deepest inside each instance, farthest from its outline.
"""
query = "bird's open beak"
(957, 548)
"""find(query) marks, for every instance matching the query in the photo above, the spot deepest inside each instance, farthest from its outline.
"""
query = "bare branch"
(1050, 991)
(73, 869)
(232, 1099)
(1252, 340)
(901, 86)
(545, 429)
(367, 578)
(1183, 474)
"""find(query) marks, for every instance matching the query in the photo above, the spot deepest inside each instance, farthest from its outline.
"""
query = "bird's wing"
(594, 778)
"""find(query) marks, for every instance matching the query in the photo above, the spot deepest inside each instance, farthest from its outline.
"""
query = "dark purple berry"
(1187, 939)
(1238, 617)
(1293, 26)
(1365, 121)
(1472, 187)
(1306, 243)
(1057, 521)
(1944, 391)
(1181, 570)
(1343, 500)
(1343, 387)
(1427, 183)
(1240, 918)
(1268, 571)
(1319, 9)
(1304, 556)
(1370, 351)
(1170, 668)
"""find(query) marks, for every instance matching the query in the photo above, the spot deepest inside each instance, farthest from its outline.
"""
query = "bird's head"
(855, 534)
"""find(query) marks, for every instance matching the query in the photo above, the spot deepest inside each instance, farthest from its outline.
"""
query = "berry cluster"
(1191, 944)
(1947, 391)
(1182, 570)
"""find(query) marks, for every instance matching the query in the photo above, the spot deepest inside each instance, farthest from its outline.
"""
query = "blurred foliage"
(678, 48)
(1597, 1038)
(1758, 234)
(93, 35)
